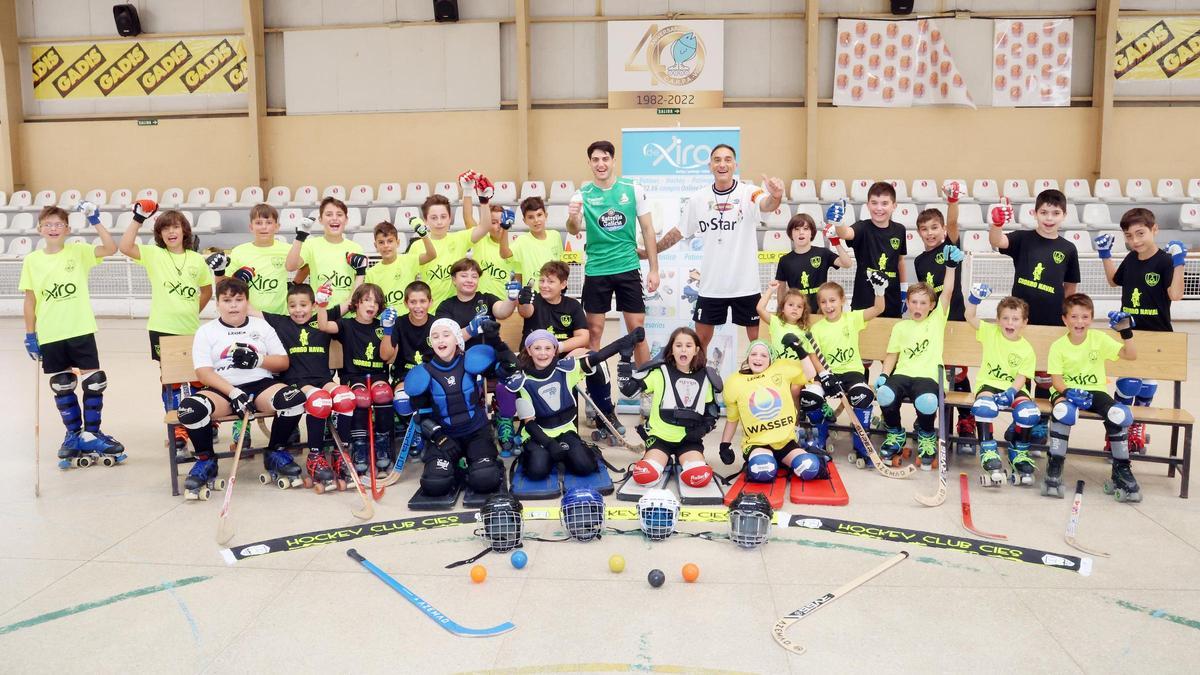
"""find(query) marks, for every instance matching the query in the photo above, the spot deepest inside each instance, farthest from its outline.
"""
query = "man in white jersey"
(726, 214)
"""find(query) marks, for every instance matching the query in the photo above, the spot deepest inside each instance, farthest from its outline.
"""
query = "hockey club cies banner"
(82, 70)
(671, 164)
(1031, 62)
(654, 64)
(1157, 48)
(895, 64)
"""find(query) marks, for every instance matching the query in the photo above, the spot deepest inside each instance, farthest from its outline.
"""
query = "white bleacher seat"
(210, 221)
(506, 193)
(388, 193)
(975, 241)
(306, 195)
(803, 190)
(964, 195)
(858, 189)
(1072, 221)
(913, 241)
(148, 226)
(366, 240)
(941, 208)
(1193, 189)
(1171, 190)
(448, 190)
(1109, 190)
(3, 199)
(146, 193)
(405, 214)
(3, 222)
(832, 190)
(986, 190)
(360, 195)
(1138, 189)
(575, 243)
(906, 215)
(20, 246)
(1025, 214)
(1189, 217)
(1119, 249)
(78, 222)
(532, 188)
(289, 219)
(197, 198)
(901, 189)
(279, 196)
(970, 217)
(556, 216)
(250, 196)
(776, 240)
(561, 191)
(1081, 239)
(1098, 217)
(171, 198)
(376, 215)
(415, 194)
(459, 221)
(1042, 184)
(778, 219)
(1, 248)
(814, 211)
(1017, 190)
(1078, 190)
(21, 199)
(69, 198)
(124, 218)
(224, 196)
(23, 222)
(335, 191)
(120, 198)
(44, 198)
(354, 219)
(924, 191)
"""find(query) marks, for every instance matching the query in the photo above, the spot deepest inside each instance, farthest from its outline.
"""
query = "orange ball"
(690, 573)
(478, 574)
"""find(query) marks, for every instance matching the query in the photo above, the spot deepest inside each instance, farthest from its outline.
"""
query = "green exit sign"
(668, 111)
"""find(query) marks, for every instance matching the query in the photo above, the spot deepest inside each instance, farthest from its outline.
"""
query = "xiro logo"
(182, 291)
(263, 284)
(917, 349)
(612, 220)
(59, 291)
(677, 154)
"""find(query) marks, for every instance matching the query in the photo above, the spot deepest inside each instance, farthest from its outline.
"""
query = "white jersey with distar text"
(214, 342)
(728, 222)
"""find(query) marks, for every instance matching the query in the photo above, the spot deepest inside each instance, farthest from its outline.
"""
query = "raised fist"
(952, 190)
(217, 262)
(1003, 213)
(143, 209)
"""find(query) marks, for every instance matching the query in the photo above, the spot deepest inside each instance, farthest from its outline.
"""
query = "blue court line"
(135, 593)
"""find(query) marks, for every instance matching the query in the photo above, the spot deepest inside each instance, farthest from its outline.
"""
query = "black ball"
(656, 578)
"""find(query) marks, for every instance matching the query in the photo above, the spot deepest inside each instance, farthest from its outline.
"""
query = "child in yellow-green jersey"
(538, 246)
(331, 258)
(267, 256)
(450, 247)
(395, 270)
(494, 251)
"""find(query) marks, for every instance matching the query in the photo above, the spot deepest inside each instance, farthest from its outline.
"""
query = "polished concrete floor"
(108, 572)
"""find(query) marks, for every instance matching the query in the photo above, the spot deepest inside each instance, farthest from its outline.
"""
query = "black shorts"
(77, 352)
(674, 449)
(302, 382)
(909, 388)
(715, 311)
(155, 336)
(252, 388)
(779, 453)
(598, 292)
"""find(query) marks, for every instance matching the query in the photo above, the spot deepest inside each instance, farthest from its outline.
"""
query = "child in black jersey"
(406, 344)
(879, 244)
(806, 267)
(1150, 279)
(550, 309)
(363, 360)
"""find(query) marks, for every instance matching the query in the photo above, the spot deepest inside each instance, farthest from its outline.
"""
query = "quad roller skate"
(180, 441)
(966, 429)
(360, 455)
(383, 452)
(1138, 438)
(281, 470)
(989, 462)
(506, 436)
(320, 474)
(894, 450)
(70, 453)
(202, 480)
(927, 453)
(602, 432)
(1023, 465)
(1122, 485)
(1052, 482)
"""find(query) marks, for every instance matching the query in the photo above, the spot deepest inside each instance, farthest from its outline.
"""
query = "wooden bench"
(1161, 357)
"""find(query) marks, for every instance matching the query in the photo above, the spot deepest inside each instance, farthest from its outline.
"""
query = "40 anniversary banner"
(80, 70)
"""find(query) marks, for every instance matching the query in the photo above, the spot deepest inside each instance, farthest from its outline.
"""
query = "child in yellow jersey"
(449, 247)
(331, 259)
(1080, 381)
(757, 398)
(1005, 372)
(792, 319)
(180, 286)
(835, 334)
(493, 252)
(267, 256)
(395, 271)
(911, 367)
(60, 329)
(683, 408)
(536, 247)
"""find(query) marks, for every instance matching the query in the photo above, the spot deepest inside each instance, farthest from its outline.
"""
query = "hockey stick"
(393, 476)
(968, 521)
(367, 511)
(376, 490)
(781, 626)
(608, 425)
(1076, 505)
(939, 497)
(863, 436)
(37, 428)
(224, 522)
(431, 612)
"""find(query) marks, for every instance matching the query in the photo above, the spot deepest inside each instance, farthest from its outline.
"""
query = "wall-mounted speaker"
(127, 20)
(445, 10)
(902, 6)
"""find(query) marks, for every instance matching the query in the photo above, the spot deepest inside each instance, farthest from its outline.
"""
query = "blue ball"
(519, 559)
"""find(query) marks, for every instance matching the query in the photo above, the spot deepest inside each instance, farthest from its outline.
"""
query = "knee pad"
(402, 404)
(1128, 388)
(485, 475)
(1059, 433)
(1026, 413)
(63, 383)
(807, 465)
(362, 398)
(343, 400)
(926, 404)
(860, 396)
(761, 468)
(579, 458)
(886, 396)
(438, 478)
(1147, 392)
(646, 471)
(1065, 412)
(812, 397)
(696, 474)
(95, 383)
(289, 401)
(535, 461)
(381, 393)
(195, 412)
(1120, 415)
(1042, 380)
(985, 409)
(319, 404)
